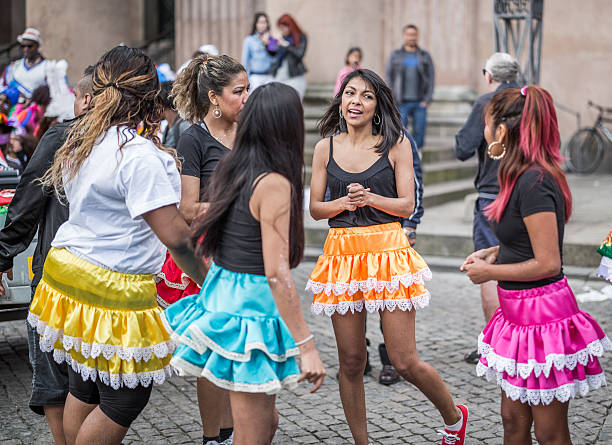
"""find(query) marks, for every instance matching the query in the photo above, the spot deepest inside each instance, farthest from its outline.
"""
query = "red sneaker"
(456, 437)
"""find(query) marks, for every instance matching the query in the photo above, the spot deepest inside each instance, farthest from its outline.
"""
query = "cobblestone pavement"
(399, 414)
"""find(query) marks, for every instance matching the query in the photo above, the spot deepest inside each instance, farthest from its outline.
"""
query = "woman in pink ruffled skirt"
(539, 346)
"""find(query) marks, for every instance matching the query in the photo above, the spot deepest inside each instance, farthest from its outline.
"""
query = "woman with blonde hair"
(95, 306)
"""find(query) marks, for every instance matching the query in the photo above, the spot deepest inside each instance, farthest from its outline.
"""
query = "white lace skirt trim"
(563, 393)
(343, 307)
(115, 381)
(272, 387)
(180, 286)
(370, 284)
(49, 336)
(559, 361)
(200, 342)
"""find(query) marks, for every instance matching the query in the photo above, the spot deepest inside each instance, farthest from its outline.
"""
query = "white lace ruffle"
(559, 361)
(370, 284)
(50, 336)
(563, 393)
(115, 381)
(271, 387)
(200, 342)
(180, 286)
(343, 307)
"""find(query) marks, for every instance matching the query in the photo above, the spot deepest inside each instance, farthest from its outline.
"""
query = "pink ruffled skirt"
(539, 346)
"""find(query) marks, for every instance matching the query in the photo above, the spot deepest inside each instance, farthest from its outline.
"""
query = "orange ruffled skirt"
(372, 267)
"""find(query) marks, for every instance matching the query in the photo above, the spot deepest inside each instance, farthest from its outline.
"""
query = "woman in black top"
(539, 346)
(210, 93)
(367, 260)
(246, 328)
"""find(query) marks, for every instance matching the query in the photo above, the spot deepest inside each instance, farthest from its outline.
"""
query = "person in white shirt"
(23, 76)
(95, 306)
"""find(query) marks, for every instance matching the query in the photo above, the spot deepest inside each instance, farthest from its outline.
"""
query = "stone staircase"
(444, 177)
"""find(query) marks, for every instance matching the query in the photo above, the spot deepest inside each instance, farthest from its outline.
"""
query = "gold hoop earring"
(499, 156)
(217, 112)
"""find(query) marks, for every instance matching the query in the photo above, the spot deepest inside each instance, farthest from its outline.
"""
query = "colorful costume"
(538, 346)
(232, 333)
(605, 267)
(95, 306)
(367, 260)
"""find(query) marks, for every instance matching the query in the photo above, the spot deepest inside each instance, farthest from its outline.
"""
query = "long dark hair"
(269, 138)
(390, 126)
(257, 15)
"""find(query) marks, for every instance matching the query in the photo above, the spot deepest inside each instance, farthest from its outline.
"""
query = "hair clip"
(111, 84)
(524, 91)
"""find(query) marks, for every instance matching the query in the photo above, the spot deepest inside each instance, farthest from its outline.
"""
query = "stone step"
(451, 170)
(436, 194)
(438, 149)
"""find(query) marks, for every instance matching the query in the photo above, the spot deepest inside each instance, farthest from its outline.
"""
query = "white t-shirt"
(107, 198)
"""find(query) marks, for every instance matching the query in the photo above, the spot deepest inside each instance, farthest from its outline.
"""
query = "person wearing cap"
(23, 76)
(500, 72)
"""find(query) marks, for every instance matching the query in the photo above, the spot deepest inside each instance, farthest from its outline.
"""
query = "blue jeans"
(418, 116)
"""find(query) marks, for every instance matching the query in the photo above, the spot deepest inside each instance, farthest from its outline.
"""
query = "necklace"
(221, 139)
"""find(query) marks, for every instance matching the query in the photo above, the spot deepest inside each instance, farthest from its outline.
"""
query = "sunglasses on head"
(28, 45)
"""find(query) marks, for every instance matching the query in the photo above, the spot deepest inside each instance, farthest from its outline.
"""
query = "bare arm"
(544, 238)
(270, 204)
(403, 205)
(190, 205)
(172, 230)
(319, 208)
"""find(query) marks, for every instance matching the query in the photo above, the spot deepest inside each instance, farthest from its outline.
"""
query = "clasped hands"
(358, 196)
(477, 265)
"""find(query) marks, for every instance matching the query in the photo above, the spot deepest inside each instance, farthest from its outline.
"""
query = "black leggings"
(121, 405)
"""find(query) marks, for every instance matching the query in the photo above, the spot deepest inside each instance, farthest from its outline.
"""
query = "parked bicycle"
(585, 149)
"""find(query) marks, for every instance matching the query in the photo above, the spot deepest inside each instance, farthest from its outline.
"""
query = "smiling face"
(358, 102)
(232, 99)
(29, 48)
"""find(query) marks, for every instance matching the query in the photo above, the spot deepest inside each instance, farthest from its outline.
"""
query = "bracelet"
(306, 340)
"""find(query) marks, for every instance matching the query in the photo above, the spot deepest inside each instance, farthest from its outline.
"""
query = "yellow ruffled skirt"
(105, 324)
(372, 267)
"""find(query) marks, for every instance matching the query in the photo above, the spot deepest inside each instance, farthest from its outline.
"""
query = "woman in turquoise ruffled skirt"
(245, 329)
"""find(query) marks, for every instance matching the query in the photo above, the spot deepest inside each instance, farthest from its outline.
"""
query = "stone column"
(223, 23)
(81, 32)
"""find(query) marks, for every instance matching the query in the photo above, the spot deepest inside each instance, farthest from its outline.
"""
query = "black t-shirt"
(200, 153)
(535, 191)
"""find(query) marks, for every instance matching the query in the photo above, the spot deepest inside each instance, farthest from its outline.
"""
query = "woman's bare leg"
(215, 410)
(255, 418)
(350, 339)
(550, 423)
(398, 330)
(517, 421)
(75, 413)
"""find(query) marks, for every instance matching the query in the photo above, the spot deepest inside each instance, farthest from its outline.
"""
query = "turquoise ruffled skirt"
(232, 334)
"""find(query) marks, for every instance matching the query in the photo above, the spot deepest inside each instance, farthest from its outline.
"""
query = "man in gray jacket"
(410, 75)
(500, 72)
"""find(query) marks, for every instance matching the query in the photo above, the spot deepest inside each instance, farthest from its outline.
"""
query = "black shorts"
(121, 405)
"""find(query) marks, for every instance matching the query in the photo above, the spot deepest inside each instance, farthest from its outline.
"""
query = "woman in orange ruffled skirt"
(367, 261)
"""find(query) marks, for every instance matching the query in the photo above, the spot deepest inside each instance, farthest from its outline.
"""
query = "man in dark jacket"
(34, 208)
(500, 72)
(410, 75)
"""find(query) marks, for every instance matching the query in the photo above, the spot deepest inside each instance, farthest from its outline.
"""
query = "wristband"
(306, 340)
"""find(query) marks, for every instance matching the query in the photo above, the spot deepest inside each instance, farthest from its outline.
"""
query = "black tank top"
(379, 178)
(240, 248)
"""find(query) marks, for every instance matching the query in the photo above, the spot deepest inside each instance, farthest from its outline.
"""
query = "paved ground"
(397, 414)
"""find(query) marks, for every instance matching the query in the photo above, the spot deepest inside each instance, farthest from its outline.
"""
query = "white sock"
(456, 426)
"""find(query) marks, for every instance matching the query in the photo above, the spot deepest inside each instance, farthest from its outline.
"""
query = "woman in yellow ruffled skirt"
(367, 261)
(96, 306)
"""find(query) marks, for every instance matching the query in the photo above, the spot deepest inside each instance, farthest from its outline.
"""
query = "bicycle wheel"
(584, 151)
